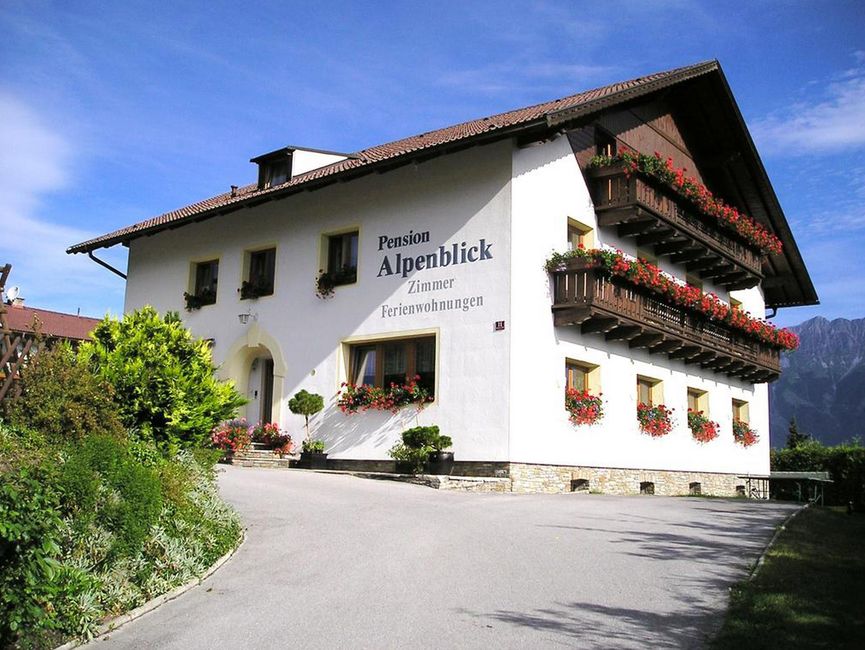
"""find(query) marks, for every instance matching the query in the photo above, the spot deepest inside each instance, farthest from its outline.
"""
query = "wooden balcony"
(583, 296)
(659, 219)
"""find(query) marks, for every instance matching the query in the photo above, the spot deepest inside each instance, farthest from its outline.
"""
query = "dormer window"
(274, 168)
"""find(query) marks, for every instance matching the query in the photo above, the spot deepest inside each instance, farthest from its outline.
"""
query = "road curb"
(762, 559)
(150, 605)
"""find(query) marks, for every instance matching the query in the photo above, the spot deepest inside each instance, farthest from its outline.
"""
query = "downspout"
(105, 264)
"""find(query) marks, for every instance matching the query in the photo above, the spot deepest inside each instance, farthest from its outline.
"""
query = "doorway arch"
(250, 356)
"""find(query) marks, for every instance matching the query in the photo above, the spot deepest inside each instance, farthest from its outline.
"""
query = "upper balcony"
(585, 296)
(643, 208)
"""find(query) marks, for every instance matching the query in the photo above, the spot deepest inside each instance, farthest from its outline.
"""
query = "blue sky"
(111, 113)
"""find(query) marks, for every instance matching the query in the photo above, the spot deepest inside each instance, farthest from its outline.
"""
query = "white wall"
(460, 197)
(548, 188)
(500, 394)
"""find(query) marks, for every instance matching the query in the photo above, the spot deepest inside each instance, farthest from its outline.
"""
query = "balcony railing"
(663, 220)
(584, 296)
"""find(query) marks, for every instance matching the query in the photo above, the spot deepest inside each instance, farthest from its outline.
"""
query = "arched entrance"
(256, 366)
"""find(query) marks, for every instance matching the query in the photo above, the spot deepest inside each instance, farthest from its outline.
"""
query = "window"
(605, 144)
(261, 266)
(649, 391)
(698, 400)
(740, 410)
(579, 235)
(342, 257)
(581, 376)
(394, 361)
(275, 173)
(206, 275)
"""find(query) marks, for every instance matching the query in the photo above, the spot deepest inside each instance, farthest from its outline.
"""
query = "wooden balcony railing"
(659, 218)
(584, 296)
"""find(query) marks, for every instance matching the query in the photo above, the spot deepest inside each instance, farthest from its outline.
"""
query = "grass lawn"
(810, 593)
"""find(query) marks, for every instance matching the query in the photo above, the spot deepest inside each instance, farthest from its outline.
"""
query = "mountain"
(822, 383)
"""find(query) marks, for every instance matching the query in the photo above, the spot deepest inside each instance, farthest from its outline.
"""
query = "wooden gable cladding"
(642, 209)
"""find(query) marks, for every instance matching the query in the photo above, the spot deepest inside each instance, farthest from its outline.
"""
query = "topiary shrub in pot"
(312, 454)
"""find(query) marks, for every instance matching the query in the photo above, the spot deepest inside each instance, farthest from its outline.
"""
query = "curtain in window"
(363, 365)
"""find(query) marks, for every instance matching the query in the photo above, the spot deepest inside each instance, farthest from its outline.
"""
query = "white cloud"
(36, 160)
(833, 122)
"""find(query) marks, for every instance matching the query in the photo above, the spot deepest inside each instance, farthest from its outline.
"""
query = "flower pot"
(440, 462)
(313, 460)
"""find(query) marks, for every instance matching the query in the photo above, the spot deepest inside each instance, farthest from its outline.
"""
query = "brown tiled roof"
(552, 112)
(51, 323)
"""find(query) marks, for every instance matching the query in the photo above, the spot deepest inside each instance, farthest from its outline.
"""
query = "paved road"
(333, 561)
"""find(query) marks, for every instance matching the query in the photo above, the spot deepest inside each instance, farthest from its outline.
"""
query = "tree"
(794, 437)
(306, 404)
(163, 378)
(63, 400)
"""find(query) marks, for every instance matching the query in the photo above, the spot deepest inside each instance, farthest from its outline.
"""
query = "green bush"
(96, 527)
(416, 446)
(164, 385)
(102, 480)
(845, 463)
(62, 399)
(30, 534)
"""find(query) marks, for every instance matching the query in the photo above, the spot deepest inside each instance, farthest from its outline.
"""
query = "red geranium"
(743, 434)
(702, 428)
(655, 421)
(583, 407)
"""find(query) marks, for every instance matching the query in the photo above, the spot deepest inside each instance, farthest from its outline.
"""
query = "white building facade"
(440, 272)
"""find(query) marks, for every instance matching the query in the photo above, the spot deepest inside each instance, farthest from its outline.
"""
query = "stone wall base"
(607, 480)
(550, 479)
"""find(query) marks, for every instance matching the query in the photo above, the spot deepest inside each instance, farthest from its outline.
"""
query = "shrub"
(101, 479)
(62, 399)
(417, 444)
(845, 463)
(163, 378)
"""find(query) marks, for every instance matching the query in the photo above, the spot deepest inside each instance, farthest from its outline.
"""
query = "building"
(26, 330)
(426, 257)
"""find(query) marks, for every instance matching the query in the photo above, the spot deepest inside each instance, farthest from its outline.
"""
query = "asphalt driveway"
(333, 561)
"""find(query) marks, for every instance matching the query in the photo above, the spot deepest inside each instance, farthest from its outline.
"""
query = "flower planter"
(313, 460)
(440, 462)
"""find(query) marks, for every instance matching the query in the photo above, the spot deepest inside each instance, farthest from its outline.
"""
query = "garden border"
(119, 621)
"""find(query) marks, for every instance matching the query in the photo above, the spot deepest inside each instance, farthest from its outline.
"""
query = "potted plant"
(312, 454)
(206, 296)
(702, 428)
(231, 436)
(268, 435)
(423, 447)
(255, 288)
(583, 407)
(743, 434)
(655, 421)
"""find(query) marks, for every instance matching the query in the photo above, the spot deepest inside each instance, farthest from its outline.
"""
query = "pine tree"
(795, 438)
